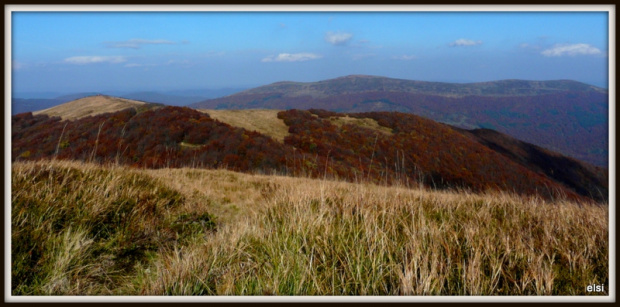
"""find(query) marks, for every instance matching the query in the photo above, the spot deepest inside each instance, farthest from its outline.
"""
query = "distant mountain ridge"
(365, 83)
(561, 115)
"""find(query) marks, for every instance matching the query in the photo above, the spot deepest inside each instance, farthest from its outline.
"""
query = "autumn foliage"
(166, 137)
(573, 122)
(418, 152)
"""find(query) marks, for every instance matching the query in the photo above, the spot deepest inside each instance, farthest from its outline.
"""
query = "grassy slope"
(268, 123)
(89, 106)
(362, 122)
(263, 121)
(97, 230)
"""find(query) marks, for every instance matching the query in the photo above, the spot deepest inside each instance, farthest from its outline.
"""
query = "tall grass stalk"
(332, 238)
(85, 229)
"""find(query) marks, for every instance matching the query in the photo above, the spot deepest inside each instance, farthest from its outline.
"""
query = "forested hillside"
(417, 151)
(564, 116)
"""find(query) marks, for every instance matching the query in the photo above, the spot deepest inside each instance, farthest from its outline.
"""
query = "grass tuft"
(85, 229)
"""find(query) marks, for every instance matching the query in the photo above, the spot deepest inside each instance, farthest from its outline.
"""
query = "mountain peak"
(359, 77)
(88, 106)
(358, 84)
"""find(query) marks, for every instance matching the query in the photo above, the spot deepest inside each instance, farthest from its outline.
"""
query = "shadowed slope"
(584, 178)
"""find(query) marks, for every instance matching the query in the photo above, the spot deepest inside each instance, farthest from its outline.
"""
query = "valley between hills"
(358, 185)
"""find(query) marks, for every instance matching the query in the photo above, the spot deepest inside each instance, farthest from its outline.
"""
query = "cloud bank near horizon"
(338, 38)
(82, 60)
(571, 50)
(292, 57)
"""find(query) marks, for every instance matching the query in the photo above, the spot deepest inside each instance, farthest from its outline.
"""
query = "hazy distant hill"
(21, 105)
(31, 102)
(365, 84)
(207, 93)
(162, 98)
(179, 97)
(563, 115)
(174, 99)
(75, 96)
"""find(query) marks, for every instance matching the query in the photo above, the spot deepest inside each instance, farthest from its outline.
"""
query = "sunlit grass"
(89, 106)
(98, 230)
(263, 121)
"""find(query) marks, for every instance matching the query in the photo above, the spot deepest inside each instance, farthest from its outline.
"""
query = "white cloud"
(292, 57)
(80, 60)
(405, 57)
(138, 43)
(465, 42)
(571, 50)
(338, 38)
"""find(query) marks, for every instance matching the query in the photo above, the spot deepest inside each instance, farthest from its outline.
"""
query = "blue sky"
(127, 51)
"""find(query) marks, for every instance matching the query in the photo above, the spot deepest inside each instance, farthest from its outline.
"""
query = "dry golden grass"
(311, 237)
(362, 122)
(263, 121)
(268, 123)
(298, 236)
(85, 229)
(89, 106)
